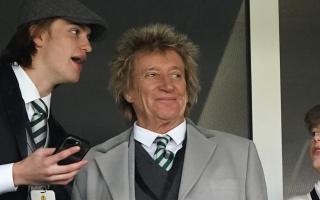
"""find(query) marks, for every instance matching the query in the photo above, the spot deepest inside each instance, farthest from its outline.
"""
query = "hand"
(41, 168)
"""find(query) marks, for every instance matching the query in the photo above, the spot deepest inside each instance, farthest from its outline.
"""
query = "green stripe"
(41, 143)
(34, 122)
(39, 131)
(157, 151)
(166, 164)
(170, 159)
(159, 159)
(38, 108)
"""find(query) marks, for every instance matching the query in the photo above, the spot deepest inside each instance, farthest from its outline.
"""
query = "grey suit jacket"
(217, 165)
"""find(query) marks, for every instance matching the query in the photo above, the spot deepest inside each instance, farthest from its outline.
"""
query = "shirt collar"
(28, 90)
(147, 137)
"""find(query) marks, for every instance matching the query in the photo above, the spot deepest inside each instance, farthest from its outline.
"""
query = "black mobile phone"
(70, 141)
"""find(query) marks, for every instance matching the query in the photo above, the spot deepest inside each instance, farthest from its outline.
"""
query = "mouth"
(166, 99)
(80, 60)
(316, 150)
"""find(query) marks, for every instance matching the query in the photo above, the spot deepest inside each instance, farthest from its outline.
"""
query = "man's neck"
(43, 85)
(160, 126)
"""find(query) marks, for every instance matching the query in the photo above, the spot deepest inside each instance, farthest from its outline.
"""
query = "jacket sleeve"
(89, 184)
(256, 188)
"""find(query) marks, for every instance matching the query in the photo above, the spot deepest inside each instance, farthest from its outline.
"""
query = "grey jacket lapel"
(131, 168)
(198, 152)
(116, 166)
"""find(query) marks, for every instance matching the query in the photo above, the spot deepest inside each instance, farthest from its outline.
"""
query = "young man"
(312, 121)
(49, 48)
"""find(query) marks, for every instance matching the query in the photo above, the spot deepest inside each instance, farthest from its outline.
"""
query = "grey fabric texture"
(216, 165)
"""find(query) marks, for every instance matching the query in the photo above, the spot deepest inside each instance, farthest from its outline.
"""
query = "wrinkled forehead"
(151, 58)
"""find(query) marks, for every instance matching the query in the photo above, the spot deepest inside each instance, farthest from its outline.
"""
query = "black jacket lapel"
(314, 194)
(15, 107)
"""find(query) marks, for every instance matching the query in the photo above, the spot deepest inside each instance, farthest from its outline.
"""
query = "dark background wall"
(217, 26)
(300, 88)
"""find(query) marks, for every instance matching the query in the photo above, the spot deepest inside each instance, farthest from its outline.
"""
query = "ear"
(37, 36)
(128, 97)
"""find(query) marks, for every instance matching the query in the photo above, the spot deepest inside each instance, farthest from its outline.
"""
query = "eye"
(75, 31)
(151, 75)
(89, 37)
(176, 75)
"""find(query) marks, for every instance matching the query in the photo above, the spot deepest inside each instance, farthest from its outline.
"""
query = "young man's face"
(61, 52)
(315, 148)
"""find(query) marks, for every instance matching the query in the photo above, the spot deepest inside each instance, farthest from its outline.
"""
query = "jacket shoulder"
(109, 144)
(222, 136)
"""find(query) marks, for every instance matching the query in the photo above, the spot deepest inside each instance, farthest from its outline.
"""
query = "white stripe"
(40, 104)
(40, 138)
(159, 154)
(163, 161)
(37, 126)
(169, 166)
(36, 116)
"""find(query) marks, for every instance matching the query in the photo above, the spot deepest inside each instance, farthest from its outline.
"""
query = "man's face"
(315, 148)
(61, 51)
(158, 87)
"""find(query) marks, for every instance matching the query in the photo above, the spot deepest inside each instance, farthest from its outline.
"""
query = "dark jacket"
(13, 123)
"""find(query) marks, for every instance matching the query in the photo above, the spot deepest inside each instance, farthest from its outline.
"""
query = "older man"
(312, 121)
(49, 48)
(164, 155)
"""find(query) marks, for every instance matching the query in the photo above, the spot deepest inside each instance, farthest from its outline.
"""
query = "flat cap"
(71, 10)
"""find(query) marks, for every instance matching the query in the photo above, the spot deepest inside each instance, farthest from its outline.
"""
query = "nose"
(316, 136)
(86, 45)
(167, 84)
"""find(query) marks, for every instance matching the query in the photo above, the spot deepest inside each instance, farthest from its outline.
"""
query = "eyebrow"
(84, 27)
(151, 68)
(154, 67)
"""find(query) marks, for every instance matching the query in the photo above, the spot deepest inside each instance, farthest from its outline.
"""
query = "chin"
(74, 79)
(316, 164)
(172, 117)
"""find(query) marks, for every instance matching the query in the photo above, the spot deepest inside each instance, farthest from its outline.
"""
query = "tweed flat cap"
(71, 10)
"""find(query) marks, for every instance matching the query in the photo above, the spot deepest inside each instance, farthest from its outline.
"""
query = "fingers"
(45, 152)
(62, 179)
(62, 182)
(63, 169)
(64, 154)
(63, 174)
(41, 167)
